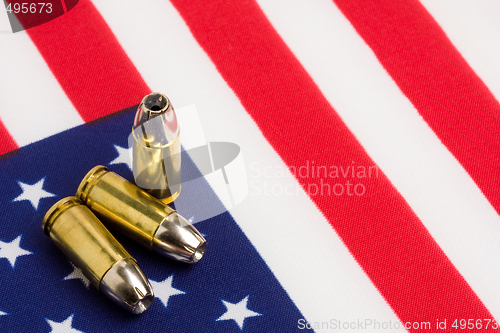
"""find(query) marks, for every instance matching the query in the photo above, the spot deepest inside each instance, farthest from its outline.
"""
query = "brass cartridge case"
(78, 233)
(128, 209)
(156, 148)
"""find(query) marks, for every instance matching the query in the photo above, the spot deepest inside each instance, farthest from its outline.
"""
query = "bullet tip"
(176, 238)
(200, 251)
(126, 285)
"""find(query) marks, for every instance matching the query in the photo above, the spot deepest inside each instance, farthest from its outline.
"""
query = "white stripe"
(292, 236)
(437, 188)
(237, 179)
(4, 21)
(191, 127)
(474, 29)
(217, 183)
(33, 105)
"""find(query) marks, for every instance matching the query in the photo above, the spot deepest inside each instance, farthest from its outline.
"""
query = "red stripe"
(451, 98)
(379, 228)
(7, 143)
(89, 63)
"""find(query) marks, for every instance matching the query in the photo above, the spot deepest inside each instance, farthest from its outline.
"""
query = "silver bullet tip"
(152, 105)
(126, 285)
(176, 238)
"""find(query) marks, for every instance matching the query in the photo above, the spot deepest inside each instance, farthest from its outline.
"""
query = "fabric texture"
(368, 135)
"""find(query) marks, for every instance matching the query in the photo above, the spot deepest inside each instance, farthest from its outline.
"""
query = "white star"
(33, 193)
(3, 313)
(62, 327)
(78, 274)
(123, 156)
(12, 250)
(238, 312)
(163, 290)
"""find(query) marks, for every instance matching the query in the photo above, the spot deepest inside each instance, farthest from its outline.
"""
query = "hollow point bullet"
(156, 148)
(128, 209)
(90, 246)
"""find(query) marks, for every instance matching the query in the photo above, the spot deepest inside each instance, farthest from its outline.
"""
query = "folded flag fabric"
(368, 132)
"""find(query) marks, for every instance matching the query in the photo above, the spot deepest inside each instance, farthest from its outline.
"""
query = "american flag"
(369, 131)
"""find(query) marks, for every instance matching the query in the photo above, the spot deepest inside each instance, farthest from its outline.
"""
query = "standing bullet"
(156, 148)
(128, 209)
(90, 246)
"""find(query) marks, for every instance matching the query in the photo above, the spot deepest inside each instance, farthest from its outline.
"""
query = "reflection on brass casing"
(83, 238)
(125, 207)
(156, 148)
(90, 246)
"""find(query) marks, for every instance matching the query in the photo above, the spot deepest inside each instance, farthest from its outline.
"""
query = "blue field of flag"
(230, 290)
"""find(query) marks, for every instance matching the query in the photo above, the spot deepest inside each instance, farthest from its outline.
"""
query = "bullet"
(156, 148)
(126, 208)
(90, 246)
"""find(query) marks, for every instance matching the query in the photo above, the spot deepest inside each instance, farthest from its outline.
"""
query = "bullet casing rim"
(89, 181)
(56, 210)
